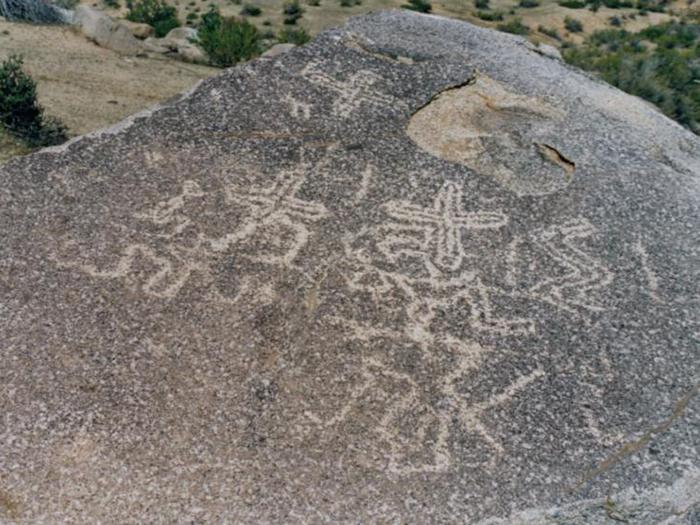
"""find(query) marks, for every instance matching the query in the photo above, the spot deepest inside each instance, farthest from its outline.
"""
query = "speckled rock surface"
(415, 271)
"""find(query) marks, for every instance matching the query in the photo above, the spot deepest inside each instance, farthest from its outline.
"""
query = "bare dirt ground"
(89, 87)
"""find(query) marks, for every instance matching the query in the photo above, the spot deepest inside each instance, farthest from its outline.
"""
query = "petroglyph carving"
(168, 212)
(652, 281)
(358, 89)
(170, 266)
(415, 297)
(434, 236)
(441, 227)
(414, 431)
(276, 207)
(274, 231)
(297, 108)
(583, 275)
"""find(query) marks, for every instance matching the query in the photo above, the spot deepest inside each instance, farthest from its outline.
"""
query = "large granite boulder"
(413, 272)
(105, 31)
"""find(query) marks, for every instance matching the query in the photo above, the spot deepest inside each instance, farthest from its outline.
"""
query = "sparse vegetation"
(490, 16)
(514, 26)
(422, 6)
(20, 113)
(156, 13)
(294, 36)
(660, 64)
(227, 40)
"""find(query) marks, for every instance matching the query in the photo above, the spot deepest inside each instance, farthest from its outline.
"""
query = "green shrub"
(20, 113)
(294, 36)
(227, 40)
(490, 16)
(156, 13)
(112, 4)
(514, 26)
(615, 21)
(617, 4)
(572, 4)
(314, 3)
(292, 12)
(658, 6)
(481, 4)
(250, 10)
(422, 6)
(528, 3)
(573, 25)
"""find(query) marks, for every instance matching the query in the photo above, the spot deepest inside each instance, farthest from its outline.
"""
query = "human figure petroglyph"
(414, 431)
(172, 265)
(180, 247)
(359, 88)
(279, 206)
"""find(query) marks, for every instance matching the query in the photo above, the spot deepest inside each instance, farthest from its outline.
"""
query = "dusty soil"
(89, 87)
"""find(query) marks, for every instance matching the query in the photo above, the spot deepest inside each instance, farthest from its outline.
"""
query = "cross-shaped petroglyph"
(442, 226)
(434, 236)
(358, 89)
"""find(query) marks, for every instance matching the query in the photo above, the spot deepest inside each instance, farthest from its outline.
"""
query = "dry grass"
(89, 87)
